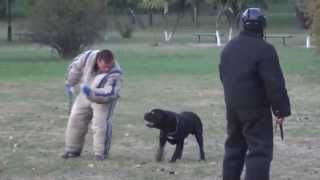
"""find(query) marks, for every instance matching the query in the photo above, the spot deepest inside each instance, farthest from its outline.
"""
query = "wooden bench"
(279, 36)
(214, 35)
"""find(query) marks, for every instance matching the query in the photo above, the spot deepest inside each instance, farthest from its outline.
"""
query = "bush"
(303, 14)
(316, 29)
(315, 10)
(125, 30)
(68, 25)
(3, 8)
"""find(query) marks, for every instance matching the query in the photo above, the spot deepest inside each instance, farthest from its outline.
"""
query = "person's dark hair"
(105, 55)
(253, 19)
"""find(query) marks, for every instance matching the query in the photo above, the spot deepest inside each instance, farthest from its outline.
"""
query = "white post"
(308, 43)
(218, 38)
(167, 35)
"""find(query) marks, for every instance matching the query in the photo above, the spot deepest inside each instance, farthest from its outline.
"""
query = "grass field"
(33, 114)
(179, 76)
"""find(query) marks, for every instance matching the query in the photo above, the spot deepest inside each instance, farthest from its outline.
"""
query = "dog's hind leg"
(177, 152)
(181, 150)
(199, 138)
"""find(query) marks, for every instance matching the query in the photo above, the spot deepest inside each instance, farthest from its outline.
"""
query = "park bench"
(279, 36)
(198, 35)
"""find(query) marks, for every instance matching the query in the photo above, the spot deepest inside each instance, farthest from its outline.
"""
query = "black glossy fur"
(174, 128)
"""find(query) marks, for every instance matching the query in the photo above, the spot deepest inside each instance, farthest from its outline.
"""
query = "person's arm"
(75, 69)
(270, 72)
(110, 90)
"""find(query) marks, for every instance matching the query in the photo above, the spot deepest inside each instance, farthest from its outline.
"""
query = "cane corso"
(174, 128)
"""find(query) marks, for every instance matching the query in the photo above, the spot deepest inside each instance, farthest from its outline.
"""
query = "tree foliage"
(315, 11)
(152, 4)
(3, 8)
(303, 14)
(238, 5)
(163, 4)
(119, 6)
(68, 25)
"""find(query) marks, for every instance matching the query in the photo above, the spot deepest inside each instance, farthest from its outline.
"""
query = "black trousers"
(249, 142)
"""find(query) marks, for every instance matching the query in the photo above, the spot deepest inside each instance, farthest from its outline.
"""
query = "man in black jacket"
(253, 85)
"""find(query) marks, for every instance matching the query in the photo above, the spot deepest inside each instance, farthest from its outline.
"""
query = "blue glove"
(69, 89)
(86, 90)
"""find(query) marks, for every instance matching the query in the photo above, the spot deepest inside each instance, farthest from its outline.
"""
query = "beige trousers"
(83, 112)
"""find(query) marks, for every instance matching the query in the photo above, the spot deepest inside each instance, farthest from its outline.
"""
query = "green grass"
(179, 76)
(33, 112)
(28, 62)
(25, 62)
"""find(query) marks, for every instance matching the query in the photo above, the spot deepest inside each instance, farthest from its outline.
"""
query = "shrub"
(3, 10)
(125, 30)
(315, 10)
(68, 25)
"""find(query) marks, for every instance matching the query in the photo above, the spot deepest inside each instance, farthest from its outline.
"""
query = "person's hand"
(69, 89)
(86, 90)
(279, 120)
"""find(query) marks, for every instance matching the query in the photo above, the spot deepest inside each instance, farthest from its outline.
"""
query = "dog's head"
(155, 118)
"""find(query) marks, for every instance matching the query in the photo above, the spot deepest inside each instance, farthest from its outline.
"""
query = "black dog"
(174, 128)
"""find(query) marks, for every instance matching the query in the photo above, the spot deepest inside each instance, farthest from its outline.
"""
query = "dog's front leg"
(178, 152)
(162, 143)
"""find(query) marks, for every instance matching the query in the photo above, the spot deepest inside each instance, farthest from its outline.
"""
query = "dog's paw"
(159, 159)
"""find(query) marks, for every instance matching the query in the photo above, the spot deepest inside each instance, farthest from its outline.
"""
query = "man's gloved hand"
(86, 90)
(69, 89)
(280, 120)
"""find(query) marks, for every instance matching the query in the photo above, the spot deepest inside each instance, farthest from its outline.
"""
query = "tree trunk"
(150, 17)
(195, 14)
(9, 11)
(220, 13)
(218, 38)
(230, 32)
(308, 43)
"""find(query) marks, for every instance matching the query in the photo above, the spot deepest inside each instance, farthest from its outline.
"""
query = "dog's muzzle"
(149, 124)
(146, 122)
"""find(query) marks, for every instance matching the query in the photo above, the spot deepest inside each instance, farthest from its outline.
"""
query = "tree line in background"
(308, 14)
(71, 25)
(315, 14)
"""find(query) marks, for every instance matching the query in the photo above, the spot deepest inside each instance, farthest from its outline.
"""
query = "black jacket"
(251, 75)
